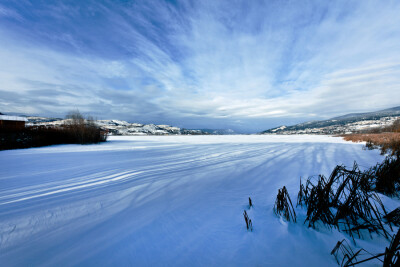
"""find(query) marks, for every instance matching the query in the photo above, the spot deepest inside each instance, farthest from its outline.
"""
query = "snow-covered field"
(167, 201)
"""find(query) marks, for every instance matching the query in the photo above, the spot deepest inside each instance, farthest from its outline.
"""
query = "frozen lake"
(166, 200)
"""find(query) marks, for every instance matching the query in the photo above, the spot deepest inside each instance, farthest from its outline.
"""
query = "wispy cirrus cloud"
(237, 64)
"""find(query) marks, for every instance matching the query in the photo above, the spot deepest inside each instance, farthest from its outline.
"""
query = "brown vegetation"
(83, 131)
(387, 138)
(77, 130)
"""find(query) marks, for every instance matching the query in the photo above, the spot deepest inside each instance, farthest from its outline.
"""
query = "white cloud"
(211, 60)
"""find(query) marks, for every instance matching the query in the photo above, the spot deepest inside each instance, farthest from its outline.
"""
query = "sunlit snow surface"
(167, 200)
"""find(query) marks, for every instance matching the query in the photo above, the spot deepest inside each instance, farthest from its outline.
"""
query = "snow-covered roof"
(12, 118)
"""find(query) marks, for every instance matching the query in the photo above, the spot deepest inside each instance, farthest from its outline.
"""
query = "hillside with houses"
(346, 124)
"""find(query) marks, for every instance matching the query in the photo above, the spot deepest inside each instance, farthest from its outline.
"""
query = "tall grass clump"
(283, 205)
(386, 176)
(345, 201)
(390, 257)
(348, 199)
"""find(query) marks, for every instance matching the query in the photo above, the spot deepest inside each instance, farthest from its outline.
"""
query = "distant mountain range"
(219, 131)
(118, 127)
(390, 112)
(349, 123)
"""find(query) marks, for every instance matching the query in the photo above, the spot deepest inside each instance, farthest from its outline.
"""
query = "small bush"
(369, 145)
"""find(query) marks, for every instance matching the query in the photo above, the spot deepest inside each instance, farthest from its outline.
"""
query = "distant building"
(12, 122)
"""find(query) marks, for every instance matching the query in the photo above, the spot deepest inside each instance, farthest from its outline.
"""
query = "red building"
(12, 122)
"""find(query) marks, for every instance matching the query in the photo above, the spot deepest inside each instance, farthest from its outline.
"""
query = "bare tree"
(84, 130)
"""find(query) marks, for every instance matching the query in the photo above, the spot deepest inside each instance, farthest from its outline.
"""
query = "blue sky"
(245, 65)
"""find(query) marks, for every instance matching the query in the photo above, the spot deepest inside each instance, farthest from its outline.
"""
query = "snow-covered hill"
(349, 123)
(168, 201)
(125, 128)
(335, 127)
(117, 127)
